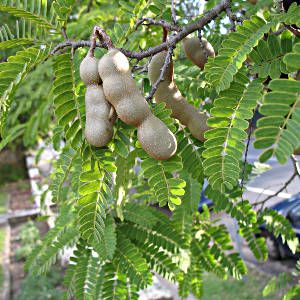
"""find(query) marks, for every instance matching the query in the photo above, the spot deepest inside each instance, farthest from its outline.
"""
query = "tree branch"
(162, 23)
(231, 20)
(250, 130)
(89, 6)
(279, 31)
(173, 9)
(64, 33)
(163, 70)
(185, 31)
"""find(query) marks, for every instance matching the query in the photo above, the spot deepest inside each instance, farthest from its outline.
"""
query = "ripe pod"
(198, 52)
(168, 92)
(98, 127)
(88, 70)
(132, 108)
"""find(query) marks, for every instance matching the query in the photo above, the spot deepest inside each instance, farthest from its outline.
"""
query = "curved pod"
(98, 129)
(99, 126)
(168, 92)
(122, 92)
(198, 52)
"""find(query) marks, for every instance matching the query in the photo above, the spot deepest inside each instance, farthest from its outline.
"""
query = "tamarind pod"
(154, 139)
(168, 92)
(122, 92)
(100, 116)
(89, 70)
(98, 129)
(130, 105)
(198, 52)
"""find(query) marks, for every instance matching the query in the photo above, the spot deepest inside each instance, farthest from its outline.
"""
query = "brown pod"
(88, 70)
(198, 52)
(168, 92)
(98, 128)
(122, 92)
(100, 115)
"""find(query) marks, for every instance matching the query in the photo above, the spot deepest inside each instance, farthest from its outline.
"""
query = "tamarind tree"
(108, 197)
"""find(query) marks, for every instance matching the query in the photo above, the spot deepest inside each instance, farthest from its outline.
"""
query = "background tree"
(107, 196)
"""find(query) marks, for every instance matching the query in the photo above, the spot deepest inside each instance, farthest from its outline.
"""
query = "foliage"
(29, 238)
(278, 130)
(34, 288)
(282, 282)
(110, 199)
(11, 173)
(248, 289)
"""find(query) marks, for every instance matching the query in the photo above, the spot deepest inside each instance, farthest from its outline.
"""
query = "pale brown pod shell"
(169, 93)
(98, 128)
(89, 70)
(198, 52)
(122, 92)
(156, 139)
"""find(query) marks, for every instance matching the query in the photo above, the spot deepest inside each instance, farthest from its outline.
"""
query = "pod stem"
(103, 37)
(165, 35)
(93, 45)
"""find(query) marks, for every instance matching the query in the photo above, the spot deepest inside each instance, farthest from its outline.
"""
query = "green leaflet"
(190, 151)
(94, 199)
(63, 235)
(220, 71)
(63, 9)
(82, 274)
(67, 102)
(278, 131)
(191, 281)
(209, 248)
(37, 12)
(106, 248)
(279, 226)
(238, 45)
(182, 217)
(13, 72)
(139, 214)
(63, 168)
(224, 146)
(163, 235)
(267, 57)
(167, 189)
(24, 33)
(131, 10)
(292, 60)
(115, 283)
(246, 217)
(131, 262)
(12, 134)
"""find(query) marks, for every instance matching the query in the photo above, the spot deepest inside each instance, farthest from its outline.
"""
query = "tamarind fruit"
(122, 92)
(198, 51)
(168, 92)
(99, 127)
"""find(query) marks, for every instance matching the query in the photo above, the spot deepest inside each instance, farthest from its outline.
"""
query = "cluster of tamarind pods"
(112, 92)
